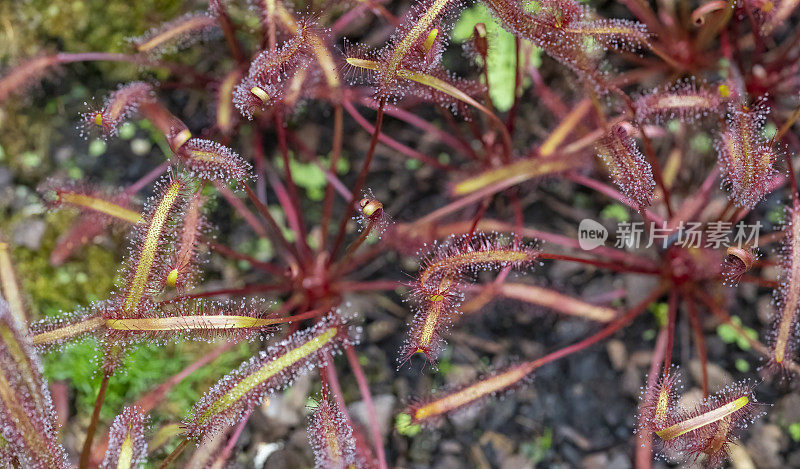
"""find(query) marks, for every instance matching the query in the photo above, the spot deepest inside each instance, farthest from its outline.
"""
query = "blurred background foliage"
(38, 140)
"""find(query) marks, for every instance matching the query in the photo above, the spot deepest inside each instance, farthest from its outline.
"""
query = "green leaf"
(404, 426)
(308, 176)
(501, 63)
(742, 365)
(97, 147)
(617, 212)
(794, 431)
(127, 130)
(730, 335)
(661, 313)
(702, 143)
(776, 215)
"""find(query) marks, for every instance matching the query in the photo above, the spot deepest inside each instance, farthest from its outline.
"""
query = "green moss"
(87, 277)
(537, 450)
(145, 367)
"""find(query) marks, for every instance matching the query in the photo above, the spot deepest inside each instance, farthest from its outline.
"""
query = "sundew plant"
(319, 166)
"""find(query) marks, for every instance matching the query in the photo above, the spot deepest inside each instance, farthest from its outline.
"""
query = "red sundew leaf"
(331, 438)
(746, 158)
(437, 292)
(471, 253)
(26, 409)
(737, 262)
(206, 159)
(54, 331)
(434, 408)
(372, 214)
(271, 370)
(627, 166)
(127, 448)
(24, 360)
(118, 107)
(711, 426)
(189, 320)
(658, 403)
(176, 34)
(436, 309)
(89, 200)
(435, 85)
(269, 77)
(184, 268)
(145, 267)
(787, 298)
(414, 49)
(185, 320)
(684, 101)
(410, 46)
(317, 41)
(24, 75)
(564, 31)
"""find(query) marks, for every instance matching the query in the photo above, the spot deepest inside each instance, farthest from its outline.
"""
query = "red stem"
(264, 211)
(174, 454)
(147, 178)
(445, 137)
(644, 449)
(512, 113)
(259, 158)
(294, 205)
(369, 285)
(614, 194)
(329, 371)
(363, 388)
(611, 328)
(238, 205)
(336, 152)
(246, 290)
(699, 341)
(228, 252)
(672, 312)
(86, 452)
(726, 318)
(228, 30)
(292, 216)
(226, 452)
(601, 264)
(390, 142)
(360, 180)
